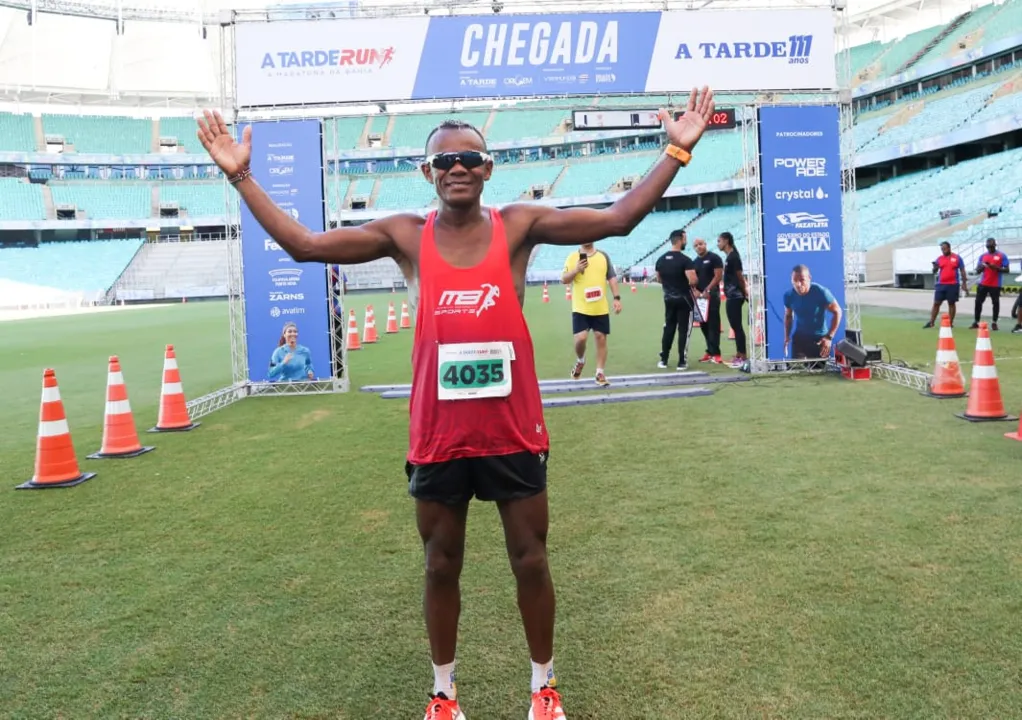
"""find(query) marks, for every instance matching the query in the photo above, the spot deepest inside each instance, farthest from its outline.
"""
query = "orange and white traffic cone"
(985, 403)
(546, 293)
(120, 438)
(406, 319)
(55, 463)
(173, 415)
(948, 380)
(567, 293)
(759, 337)
(369, 327)
(354, 343)
(634, 288)
(391, 320)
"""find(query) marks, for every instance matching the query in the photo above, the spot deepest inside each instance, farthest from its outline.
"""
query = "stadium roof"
(166, 53)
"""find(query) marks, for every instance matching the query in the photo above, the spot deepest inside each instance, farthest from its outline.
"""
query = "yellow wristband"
(682, 156)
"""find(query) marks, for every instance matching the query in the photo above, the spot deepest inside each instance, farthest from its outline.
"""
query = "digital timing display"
(642, 119)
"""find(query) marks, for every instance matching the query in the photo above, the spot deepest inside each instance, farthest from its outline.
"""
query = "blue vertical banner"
(287, 304)
(803, 244)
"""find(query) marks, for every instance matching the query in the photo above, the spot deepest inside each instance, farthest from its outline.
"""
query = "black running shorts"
(494, 478)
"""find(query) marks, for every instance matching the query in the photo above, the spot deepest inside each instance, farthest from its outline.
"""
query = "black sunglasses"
(469, 159)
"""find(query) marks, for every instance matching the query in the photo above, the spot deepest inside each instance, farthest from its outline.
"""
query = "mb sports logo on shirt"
(467, 302)
(804, 220)
(797, 50)
(804, 167)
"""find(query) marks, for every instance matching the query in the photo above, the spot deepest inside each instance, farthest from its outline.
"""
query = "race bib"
(469, 371)
(594, 294)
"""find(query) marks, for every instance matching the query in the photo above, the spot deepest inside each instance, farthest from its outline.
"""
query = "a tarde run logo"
(467, 302)
(796, 49)
(349, 59)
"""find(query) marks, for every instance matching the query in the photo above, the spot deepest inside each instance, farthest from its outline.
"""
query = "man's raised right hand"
(230, 156)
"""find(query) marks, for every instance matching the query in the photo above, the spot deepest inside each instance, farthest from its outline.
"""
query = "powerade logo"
(365, 58)
(539, 44)
(797, 50)
(803, 242)
(804, 220)
(804, 167)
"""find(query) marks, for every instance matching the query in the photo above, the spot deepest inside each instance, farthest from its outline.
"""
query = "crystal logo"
(790, 195)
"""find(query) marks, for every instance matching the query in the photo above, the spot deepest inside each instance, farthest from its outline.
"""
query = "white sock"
(443, 681)
(542, 674)
(599, 370)
(582, 359)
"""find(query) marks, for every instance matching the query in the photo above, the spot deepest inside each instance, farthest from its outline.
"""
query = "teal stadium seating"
(77, 266)
(107, 201)
(20, 200)
(17, 133)
(96, 134)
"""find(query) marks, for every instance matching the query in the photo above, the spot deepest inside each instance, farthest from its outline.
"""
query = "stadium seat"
(17, 133)
(89, 266)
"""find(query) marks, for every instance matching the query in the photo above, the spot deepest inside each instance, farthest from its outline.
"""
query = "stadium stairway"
(174, 270)
(51, 210)
(40, 136)
(948, 29)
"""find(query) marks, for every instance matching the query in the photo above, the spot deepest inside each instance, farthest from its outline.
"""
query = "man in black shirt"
(676, 274)
(709, 271)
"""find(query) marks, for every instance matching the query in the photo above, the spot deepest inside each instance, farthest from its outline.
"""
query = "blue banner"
(536, 54)
(803, 244)
(286, 303)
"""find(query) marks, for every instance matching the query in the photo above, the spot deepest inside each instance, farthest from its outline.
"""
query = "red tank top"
(474, 386)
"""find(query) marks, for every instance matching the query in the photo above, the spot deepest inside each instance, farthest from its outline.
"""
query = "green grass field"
(796, 547)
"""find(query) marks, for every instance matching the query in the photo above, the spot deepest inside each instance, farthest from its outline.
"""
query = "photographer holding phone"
(588, 272)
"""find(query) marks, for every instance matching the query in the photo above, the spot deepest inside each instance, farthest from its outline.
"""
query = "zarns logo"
(276, 296)
(467, 302)
(797, 50)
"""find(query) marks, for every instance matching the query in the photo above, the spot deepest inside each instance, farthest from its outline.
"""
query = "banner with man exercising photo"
(803, 253)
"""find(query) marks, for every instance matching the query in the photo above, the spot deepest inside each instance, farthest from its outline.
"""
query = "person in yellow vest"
(589, 271)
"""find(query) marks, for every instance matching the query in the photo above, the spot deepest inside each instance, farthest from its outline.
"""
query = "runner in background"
(588, 272)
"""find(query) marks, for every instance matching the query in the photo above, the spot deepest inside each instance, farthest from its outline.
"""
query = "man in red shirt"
(948, 267)
(476, 425)
(992, 266)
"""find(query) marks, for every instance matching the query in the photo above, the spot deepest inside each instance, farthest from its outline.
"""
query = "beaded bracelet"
(240, 176)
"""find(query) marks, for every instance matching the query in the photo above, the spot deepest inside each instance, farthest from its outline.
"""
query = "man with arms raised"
(472, 359)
